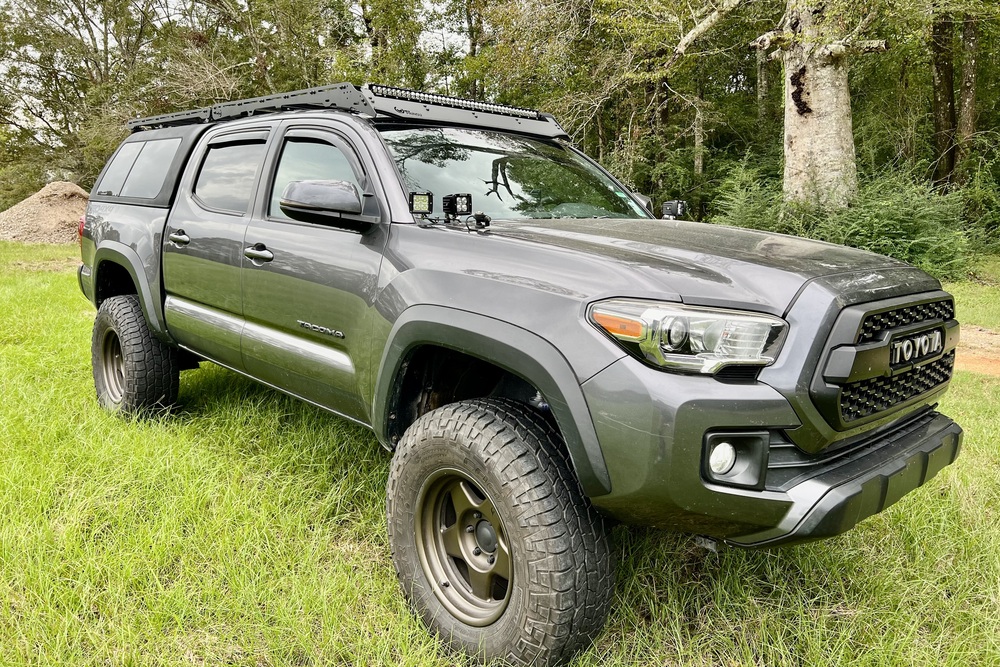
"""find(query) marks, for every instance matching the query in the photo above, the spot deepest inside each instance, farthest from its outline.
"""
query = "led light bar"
(391, 92)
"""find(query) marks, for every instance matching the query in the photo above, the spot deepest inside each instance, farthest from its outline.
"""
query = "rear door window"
(228, 174)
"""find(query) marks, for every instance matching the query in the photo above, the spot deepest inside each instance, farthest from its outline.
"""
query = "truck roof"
(371, 101)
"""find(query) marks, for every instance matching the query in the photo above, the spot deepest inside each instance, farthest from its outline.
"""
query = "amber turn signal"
(620, 327)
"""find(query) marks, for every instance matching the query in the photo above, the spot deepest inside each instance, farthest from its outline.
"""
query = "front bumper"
(860, 485)
(652, 427)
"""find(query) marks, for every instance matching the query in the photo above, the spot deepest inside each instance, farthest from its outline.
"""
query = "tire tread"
(152, 368)
(570, 558)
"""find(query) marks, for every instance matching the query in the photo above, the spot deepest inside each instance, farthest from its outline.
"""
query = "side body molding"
(149, 295)
(514, 349)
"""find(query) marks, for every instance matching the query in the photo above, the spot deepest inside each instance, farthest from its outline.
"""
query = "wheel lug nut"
(469, 529)
(477, 515)
(477, 551)
(492, 559)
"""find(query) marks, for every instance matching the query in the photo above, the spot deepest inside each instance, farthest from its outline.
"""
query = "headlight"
(688, 338)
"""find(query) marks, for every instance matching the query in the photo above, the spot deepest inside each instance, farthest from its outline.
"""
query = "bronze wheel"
(113, 366)
(463, 548)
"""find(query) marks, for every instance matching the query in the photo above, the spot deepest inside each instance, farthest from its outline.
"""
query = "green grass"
(978, 301)
(248, 529)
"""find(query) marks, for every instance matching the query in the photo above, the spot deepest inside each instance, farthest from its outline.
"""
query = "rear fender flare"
(114, 252)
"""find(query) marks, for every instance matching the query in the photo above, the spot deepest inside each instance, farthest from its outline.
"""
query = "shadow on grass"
(280, 435)
(677, 597)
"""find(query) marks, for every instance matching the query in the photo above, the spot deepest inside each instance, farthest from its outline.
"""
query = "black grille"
(738, 373)
(865, 398)
(876, 323)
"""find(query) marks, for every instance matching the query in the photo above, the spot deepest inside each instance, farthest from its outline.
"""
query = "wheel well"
(433, 376)
(112, 280)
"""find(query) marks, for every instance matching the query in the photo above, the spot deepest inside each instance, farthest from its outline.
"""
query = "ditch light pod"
(457, 205)
(421, 203)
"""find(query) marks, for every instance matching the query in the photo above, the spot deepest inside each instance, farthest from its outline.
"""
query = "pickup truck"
(541, 354)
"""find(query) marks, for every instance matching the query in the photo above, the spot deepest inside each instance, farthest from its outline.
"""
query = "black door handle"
(258, 253)
(179, 237)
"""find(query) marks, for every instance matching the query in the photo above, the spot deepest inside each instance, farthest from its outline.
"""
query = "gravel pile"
(51, 215)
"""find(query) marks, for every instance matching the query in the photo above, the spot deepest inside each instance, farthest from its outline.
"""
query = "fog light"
(722, 459)
(736, 458)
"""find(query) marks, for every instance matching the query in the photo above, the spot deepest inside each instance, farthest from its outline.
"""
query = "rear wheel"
(495, 545)
(133, 370)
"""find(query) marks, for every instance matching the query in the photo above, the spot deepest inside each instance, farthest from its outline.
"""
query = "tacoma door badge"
(323, 330)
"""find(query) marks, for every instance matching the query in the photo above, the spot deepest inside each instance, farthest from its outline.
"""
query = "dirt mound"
(51, 215)
(979, 350)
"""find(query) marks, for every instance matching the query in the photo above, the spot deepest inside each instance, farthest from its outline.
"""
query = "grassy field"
(247, 529)
(978, 301)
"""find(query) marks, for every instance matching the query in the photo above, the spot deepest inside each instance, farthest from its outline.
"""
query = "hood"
(699, 263)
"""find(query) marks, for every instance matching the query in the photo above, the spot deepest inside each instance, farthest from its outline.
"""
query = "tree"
(816, 47)
(966, 129)
(945, 118)
(68, 65)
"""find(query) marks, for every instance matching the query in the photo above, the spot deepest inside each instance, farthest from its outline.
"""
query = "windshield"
(508, 176)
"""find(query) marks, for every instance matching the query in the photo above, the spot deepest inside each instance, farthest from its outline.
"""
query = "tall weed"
(893, 215)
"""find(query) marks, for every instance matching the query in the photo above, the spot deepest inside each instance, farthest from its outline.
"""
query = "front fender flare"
(512, 348)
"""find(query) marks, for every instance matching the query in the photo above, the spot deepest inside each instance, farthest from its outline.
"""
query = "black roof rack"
(342, 96)
(372, 101)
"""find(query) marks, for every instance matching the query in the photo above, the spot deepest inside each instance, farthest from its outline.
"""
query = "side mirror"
(674, 209)
(324, 202)
(647, 202)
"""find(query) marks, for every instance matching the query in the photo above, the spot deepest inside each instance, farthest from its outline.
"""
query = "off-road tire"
(561, 572)
(134, 371)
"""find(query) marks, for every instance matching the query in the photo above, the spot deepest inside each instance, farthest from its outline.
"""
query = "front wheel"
(495, 545)
(133, 370)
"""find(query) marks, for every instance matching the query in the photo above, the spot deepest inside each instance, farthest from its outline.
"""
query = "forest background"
(870, 124)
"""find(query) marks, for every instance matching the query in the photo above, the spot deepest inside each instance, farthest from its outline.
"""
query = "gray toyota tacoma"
(541, 354)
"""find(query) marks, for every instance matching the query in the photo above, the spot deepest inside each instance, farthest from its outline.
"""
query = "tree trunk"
(943, 69)
(472, 25)
(699, 140)
(600, 136)
(663, 103)
(967, 95)
(761, 86)
(820, 166)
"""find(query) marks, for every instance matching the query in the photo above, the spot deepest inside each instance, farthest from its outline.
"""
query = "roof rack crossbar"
(342, 96)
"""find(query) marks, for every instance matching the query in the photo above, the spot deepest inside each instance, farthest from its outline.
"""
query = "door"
(203, 245)
(308, 292)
